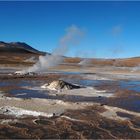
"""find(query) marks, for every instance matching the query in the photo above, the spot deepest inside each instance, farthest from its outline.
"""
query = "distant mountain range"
(19, 47)
(18, 53)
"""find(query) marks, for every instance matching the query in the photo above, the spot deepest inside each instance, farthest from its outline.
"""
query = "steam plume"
(71, 38)
(85, 62)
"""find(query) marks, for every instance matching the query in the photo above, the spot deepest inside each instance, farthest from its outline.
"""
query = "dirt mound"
(60, 84)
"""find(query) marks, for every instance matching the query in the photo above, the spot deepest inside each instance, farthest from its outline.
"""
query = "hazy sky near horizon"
(111, 29)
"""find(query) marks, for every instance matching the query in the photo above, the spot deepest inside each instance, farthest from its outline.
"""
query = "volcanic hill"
(18, 53)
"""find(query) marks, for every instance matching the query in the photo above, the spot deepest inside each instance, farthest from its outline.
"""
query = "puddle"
(130, 103)
(125, 115)
(26, 93)
(83, 82)
(5, 83)
(131, 85)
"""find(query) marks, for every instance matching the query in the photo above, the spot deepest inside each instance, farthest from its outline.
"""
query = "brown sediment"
(91, 125)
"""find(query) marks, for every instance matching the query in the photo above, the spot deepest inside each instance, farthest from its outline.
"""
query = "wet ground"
(127, 92)
(86, 123)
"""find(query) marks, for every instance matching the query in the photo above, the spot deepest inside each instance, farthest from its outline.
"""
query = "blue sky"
(112, 29)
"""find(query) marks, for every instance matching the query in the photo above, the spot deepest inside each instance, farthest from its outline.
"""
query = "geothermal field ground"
(70, 101)
(79, 79)
(49, 96)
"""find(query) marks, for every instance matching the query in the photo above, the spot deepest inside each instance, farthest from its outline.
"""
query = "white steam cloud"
(85, 62)
(71, 38)
(135, 69)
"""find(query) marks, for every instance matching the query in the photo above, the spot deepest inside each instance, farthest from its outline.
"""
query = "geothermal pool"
(31, 88)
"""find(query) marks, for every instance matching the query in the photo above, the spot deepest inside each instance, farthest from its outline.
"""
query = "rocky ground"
(87, 123)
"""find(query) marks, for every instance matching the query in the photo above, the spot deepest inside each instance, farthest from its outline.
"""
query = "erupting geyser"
(71, 38)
